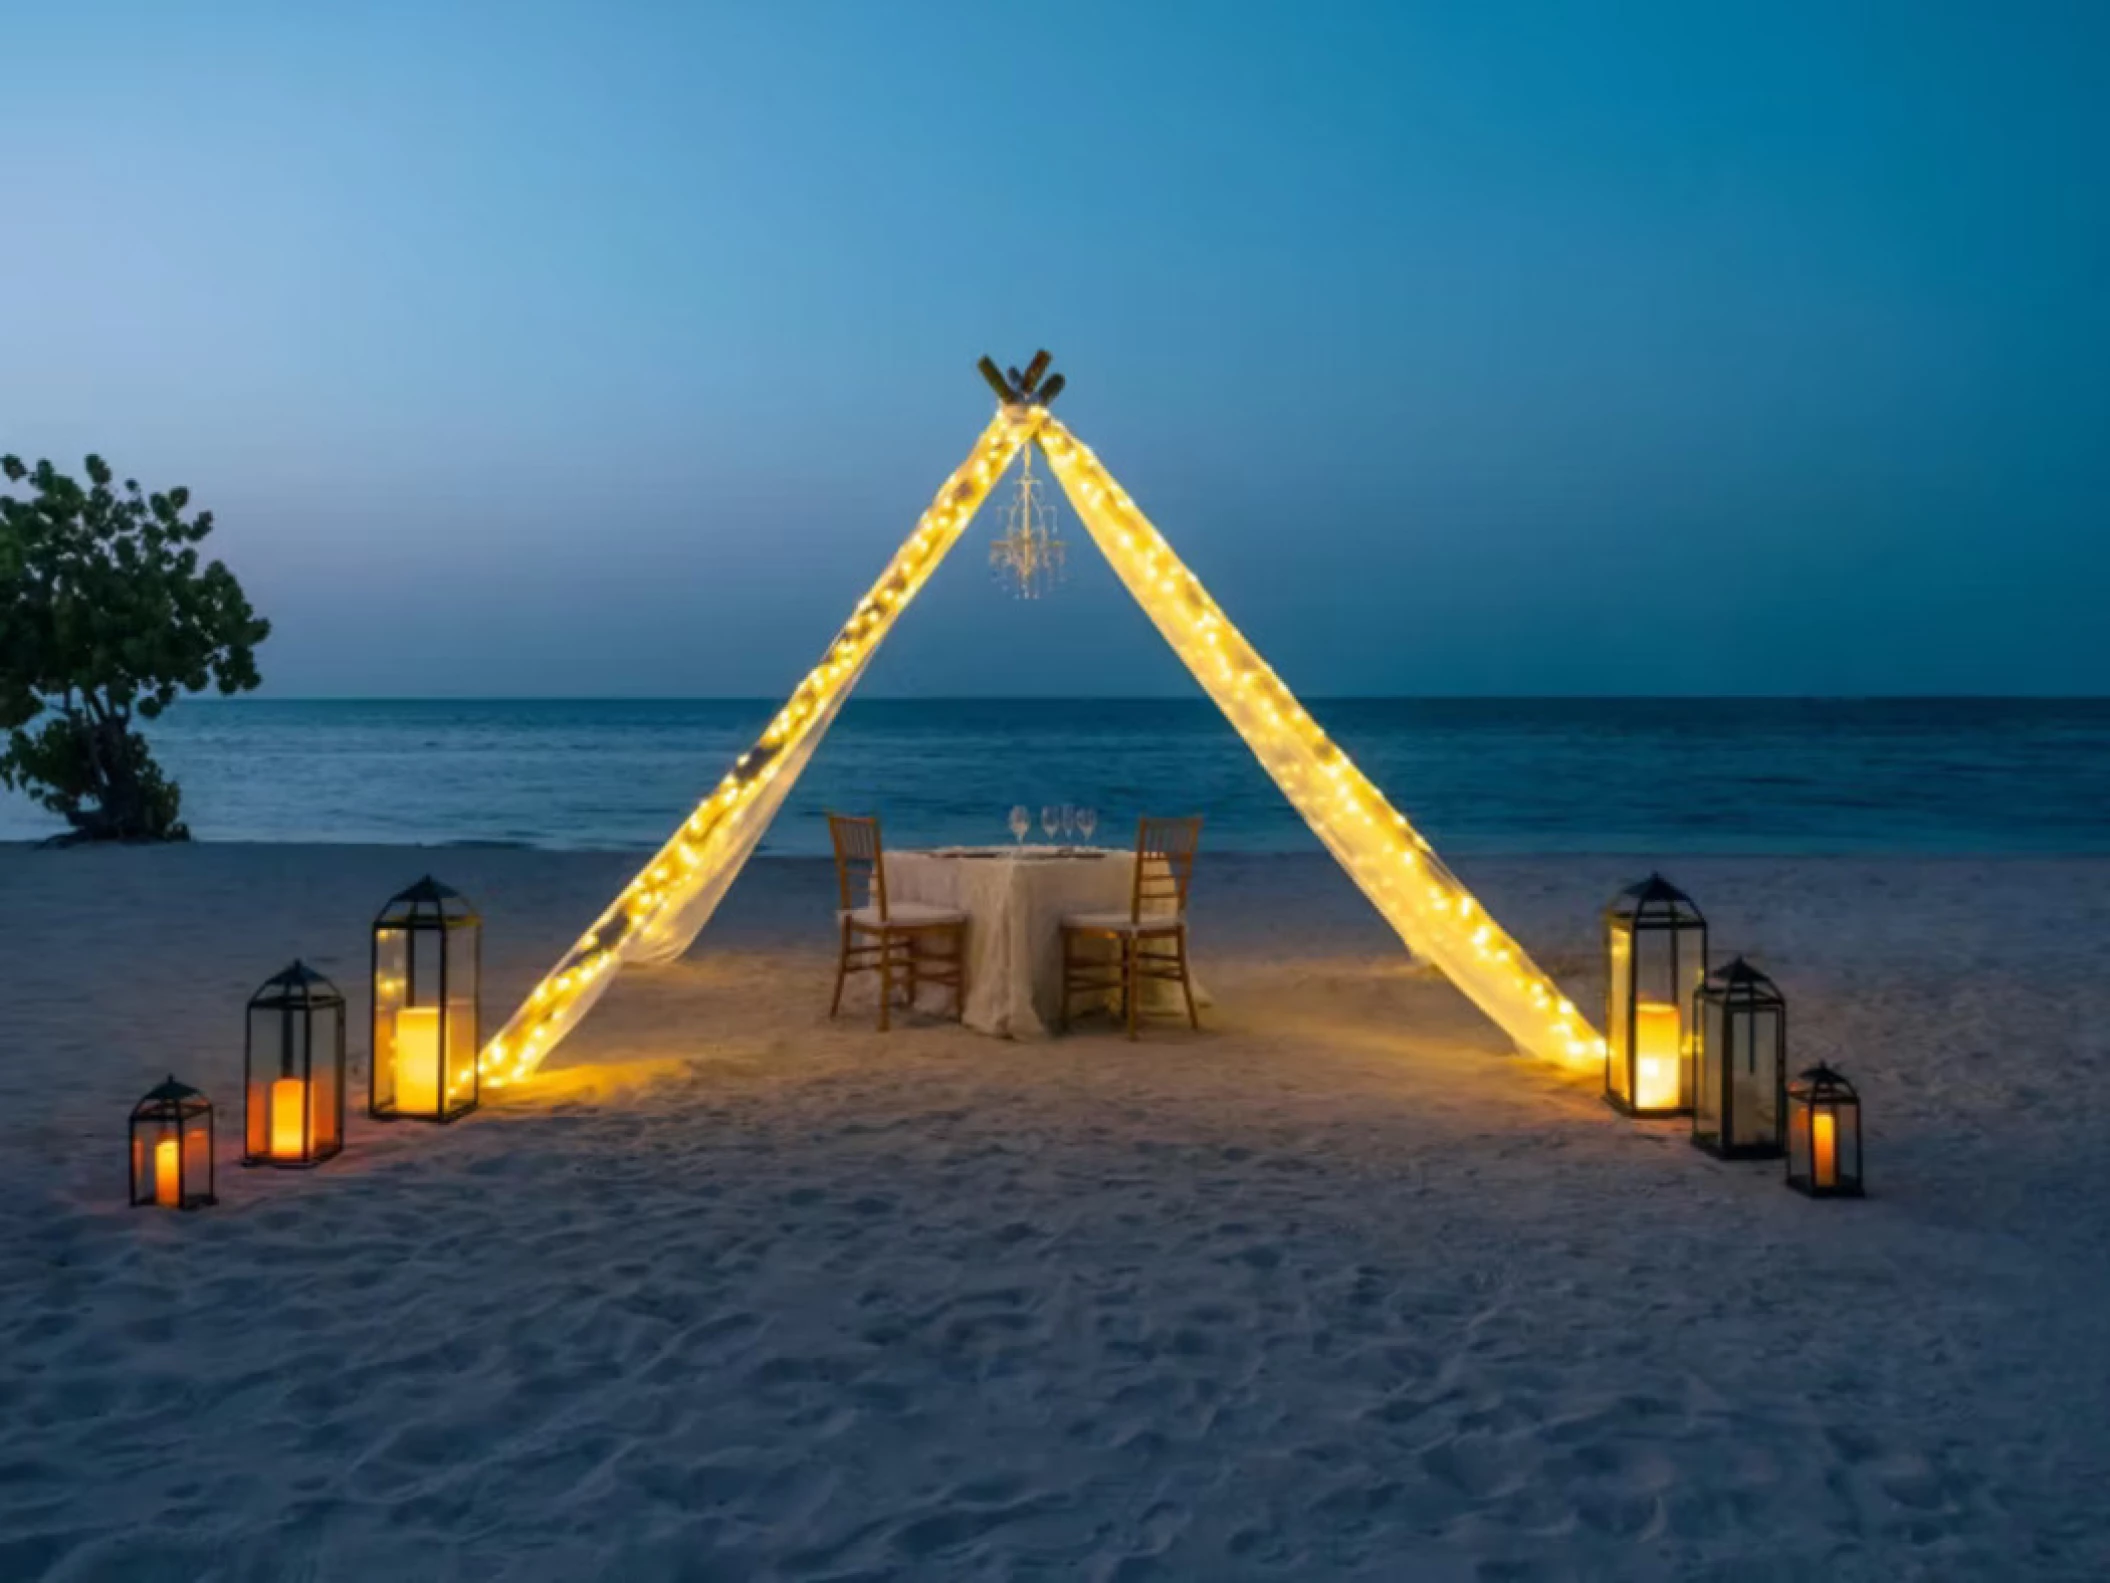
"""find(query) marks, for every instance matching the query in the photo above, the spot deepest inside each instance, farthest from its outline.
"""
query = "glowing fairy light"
(659, 912)
(1434, 914)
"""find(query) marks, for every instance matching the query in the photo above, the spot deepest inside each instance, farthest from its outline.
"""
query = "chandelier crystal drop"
(1027, 557)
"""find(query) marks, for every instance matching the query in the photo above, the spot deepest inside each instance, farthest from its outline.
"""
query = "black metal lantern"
(1655, 960)
(172, 1148)
(1824, 1135)
(1740, 1065)
(293, 1071)
(427, 961)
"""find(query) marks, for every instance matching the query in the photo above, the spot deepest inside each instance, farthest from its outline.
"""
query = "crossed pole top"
(1014, 389)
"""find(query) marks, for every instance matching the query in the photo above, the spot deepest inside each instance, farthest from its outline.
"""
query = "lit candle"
(418, 1061)
(288, 1105)
(168, 1174)
(1824, 1149)
(1656, 1030)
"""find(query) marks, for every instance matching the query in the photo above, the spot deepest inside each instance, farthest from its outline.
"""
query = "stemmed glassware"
(1051, 819)
(1087, 822)
(1021, 822)
(1069, 821)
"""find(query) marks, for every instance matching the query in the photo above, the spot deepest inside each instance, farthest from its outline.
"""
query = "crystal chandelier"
(1027, 558)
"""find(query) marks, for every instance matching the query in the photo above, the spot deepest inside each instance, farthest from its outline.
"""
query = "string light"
(1434, 914)
(660, 911)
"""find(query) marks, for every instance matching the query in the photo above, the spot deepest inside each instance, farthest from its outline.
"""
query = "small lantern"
(1740, 1065)
(293, 1071)
(172, 1146)
(1656, 959)
(428, 951)
(1824, 1135)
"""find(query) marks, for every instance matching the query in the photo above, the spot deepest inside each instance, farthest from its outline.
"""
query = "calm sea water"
(1640, 776)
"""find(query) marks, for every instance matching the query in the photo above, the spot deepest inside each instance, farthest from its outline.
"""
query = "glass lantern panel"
(1845, 1145)
(276, 1054)
(143, 1179)
(326, 1081)
(1799, 1139)
(1619, 963)
(391, 986)
(1713, 1049)
(1754, 1078)
(1669, 965)
(197, 1159)
(463, 1034)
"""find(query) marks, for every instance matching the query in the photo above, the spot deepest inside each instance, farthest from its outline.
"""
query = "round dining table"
(1015, 898)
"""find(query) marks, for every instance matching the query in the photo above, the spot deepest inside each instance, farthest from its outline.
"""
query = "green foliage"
(106, 615)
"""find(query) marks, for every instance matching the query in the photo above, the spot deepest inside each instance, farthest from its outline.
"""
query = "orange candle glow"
(418, 1061)
(168, 1174)
(288, 1106)
(1824, 1149)
(1656, 1030)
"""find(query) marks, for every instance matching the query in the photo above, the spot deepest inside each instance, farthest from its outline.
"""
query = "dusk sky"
(1491, 348)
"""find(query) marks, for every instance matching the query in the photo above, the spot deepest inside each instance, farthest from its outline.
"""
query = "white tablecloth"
(1015, 899)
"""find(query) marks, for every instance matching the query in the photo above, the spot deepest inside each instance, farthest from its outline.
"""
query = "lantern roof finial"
(1823, 1081)
(1655, 899)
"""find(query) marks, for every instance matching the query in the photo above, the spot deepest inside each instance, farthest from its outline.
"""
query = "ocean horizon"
(1489, 775)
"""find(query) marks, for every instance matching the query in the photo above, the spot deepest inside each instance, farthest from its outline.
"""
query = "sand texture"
(1336, 1288)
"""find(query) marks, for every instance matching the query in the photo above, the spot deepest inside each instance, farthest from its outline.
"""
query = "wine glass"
(1069, 821)
(1087, 822)
(1021, 822)
(1051, 820)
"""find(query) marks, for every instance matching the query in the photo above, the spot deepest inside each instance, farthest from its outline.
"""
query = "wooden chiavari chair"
(891, 941)
(1151, 937)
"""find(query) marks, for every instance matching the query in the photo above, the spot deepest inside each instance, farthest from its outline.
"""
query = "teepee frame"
(656, 916)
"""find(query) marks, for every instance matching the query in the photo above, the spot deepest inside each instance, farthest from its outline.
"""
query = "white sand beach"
(1338, 1287)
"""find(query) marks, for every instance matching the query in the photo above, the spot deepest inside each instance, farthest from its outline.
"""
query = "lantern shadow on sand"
(1740, 1065)
(293, 1071)
(427, 961)
(172, 1148)
(1824, 1135)
(1655, 962)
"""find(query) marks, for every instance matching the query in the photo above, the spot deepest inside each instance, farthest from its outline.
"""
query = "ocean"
(1639, 776)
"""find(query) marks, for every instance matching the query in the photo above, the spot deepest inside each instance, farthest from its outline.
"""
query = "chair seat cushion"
(902, 915)
(1121, 923)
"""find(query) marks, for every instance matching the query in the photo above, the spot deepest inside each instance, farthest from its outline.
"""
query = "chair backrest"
(1164, 865)
(859, 864)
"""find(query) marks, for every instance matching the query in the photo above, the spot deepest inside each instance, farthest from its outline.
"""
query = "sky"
(610, 350)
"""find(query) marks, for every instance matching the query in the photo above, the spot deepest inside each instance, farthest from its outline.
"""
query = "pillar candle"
(1824, 1149)
(168, 1173)
(418, 1061)
(288, 1106)
(1656, 1031)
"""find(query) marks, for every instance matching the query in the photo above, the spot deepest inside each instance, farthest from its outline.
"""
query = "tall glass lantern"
(172, 1148)
(1824, 1135)
(428, 959)
(1740, 1065)
(293, 1071)
(1655, 962)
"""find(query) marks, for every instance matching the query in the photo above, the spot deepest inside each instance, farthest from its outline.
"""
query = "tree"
(106, 616)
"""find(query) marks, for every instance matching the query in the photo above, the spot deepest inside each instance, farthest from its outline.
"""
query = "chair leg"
(914, 972)
(886, 981)
(1062, 1016)
(1128, 981)
(842, 971)
(1194, 1020)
